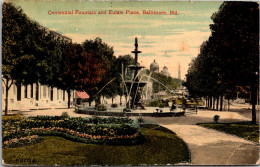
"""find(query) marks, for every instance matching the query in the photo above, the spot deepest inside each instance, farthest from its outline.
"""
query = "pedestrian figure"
(173, 107)
(157, 109)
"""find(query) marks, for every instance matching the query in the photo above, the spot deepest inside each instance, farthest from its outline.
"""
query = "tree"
(19, 36)
(101, 51)
(202, 79)
(167, 81)
(81, 70)
(236, 32)
(230, 57)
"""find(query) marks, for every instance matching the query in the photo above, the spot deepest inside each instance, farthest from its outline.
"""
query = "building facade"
(35, 96)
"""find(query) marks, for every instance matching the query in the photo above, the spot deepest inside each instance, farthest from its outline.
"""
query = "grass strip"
(245, 130)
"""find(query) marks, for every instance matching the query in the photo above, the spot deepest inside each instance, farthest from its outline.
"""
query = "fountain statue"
(135, 86)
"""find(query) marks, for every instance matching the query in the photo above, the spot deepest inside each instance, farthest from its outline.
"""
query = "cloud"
(152, 37)
(146, 46)
(169, 51)
(166, 55)
(148, 54)
(183, 54)
(126, 46)
(173, 33)
(148, 42)
(78, 38)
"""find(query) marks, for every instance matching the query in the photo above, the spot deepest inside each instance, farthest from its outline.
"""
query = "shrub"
(101, 107)
(161, 105)
(153, 103)
(114, 105)
(140, 120)
(65, 114)
(216, 118)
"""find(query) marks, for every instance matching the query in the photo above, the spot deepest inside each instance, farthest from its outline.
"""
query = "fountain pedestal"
(135, 86)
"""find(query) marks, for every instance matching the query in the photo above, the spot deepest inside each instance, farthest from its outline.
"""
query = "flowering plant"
(22, 141)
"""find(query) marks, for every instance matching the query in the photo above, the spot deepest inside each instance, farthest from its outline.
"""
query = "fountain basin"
(118, 112)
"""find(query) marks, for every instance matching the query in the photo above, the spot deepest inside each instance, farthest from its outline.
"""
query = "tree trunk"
(112, 100)
(221, 103)
(125, 99)
(6, 99)
(210, 102)
(7, 88)
(89, 102)
(217, 103)
(253, 101)
(228, 104)
(6, 96)
(98, 100)
(68, 90)
(120, 100)
(213, 103)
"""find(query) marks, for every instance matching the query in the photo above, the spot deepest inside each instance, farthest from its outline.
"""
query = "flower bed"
(82, 137)
(22, 141)
(88, 130)
(93, 120)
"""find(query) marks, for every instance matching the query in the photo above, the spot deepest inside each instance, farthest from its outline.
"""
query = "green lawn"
(244, 130)
(12, 116)
(161, 147)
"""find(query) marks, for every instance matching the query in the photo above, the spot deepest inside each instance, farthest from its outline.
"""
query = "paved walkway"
(210, 147)
(51, 112)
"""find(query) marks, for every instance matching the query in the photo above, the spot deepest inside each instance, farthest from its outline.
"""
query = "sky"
(170, 40)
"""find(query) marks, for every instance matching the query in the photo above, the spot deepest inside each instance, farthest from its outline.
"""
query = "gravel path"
(51, 112)
(211, 147)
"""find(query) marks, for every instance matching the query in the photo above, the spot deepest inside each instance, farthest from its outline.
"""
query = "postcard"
(130, 83)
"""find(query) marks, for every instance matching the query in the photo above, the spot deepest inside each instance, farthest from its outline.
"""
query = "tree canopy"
(103, 52)
(230, 57)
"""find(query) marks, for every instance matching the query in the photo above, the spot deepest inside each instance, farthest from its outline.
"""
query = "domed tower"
(154, 67)
(165, 71)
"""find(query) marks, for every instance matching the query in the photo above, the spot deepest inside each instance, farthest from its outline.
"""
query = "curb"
(231, 135)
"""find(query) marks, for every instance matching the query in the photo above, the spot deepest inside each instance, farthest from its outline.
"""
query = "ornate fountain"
(135, 86)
